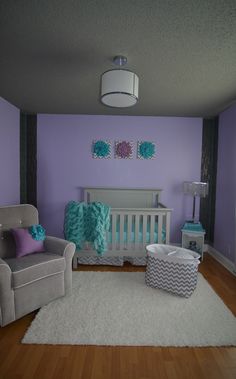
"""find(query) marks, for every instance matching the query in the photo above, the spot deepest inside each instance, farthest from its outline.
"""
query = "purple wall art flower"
(124, 149)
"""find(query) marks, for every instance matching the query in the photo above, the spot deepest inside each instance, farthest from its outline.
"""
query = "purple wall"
(225, 224)
(9, 153)
(65, 163)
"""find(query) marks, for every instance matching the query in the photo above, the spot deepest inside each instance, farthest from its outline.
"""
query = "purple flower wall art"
(124, 149)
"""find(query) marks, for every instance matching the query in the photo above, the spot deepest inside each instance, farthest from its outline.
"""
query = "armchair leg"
(75, 261)
(7, 309)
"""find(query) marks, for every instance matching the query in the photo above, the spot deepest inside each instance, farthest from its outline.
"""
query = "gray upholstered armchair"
(29, 282)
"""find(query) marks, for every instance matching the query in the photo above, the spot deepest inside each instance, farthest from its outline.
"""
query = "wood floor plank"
(115, 363)
(47, 364)
(77, 361)
(18, 361)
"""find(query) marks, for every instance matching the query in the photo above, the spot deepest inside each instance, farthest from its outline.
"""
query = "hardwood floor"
(18, 361)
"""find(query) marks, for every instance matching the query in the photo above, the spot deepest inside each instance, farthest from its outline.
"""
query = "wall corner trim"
(28, 158)
(209, 174)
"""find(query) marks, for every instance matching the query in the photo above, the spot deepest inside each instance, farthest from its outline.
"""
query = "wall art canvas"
(101, 149)
(124, 149)
(146, 150)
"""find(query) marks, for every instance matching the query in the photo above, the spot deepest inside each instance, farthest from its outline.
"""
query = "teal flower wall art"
(101, 149)
(146, 150)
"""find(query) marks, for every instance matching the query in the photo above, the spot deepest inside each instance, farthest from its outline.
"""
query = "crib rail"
(131, 222)
(137, 219)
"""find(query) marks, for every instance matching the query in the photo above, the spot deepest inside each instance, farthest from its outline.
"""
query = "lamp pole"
(194, 205)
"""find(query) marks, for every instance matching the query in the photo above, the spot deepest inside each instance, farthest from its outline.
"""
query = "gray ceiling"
(53, 52)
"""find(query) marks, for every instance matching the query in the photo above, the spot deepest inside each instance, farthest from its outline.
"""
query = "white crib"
(137, 219)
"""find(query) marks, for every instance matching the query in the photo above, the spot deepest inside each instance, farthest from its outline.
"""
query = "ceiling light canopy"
(119, 87)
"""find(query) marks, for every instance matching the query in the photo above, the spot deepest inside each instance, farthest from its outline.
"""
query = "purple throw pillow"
(25, 244)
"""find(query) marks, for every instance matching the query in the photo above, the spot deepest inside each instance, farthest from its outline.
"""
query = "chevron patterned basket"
(172, 269)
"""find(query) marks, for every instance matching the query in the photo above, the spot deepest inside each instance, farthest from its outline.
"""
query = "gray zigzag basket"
(172, 269)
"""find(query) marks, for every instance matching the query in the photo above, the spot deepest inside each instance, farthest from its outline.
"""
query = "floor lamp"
(195, 189)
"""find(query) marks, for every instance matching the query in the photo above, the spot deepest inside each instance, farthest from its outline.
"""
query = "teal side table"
(193, 236)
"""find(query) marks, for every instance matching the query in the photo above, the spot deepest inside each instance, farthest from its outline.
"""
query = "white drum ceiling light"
(119, 87)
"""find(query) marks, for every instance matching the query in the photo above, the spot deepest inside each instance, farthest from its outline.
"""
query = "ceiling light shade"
(119, 88)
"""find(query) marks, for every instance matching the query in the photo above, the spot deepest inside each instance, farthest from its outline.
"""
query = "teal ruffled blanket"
(87, 222)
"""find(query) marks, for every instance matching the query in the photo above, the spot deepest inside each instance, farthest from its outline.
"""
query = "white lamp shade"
(119, 88)
(196, 188)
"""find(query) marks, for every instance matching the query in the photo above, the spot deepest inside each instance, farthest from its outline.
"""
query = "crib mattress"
(140, 237)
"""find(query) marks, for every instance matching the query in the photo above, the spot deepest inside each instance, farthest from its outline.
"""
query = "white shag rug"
(117, 308)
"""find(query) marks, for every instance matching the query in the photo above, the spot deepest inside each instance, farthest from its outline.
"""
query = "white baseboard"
(229, 265)
(219, 257)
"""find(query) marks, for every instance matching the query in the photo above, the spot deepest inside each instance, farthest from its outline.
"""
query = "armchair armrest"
(7, 308)
(59, 246)
(4, 267)
(66, 249)
(5, 278)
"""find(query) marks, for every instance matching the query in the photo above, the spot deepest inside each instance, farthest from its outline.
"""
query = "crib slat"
(121, 242)
(108, 232)
(113, 236)
(136, 235)
(129, 231)
(152, 228)
(167, 227)
(160, 223)
(144, 231)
